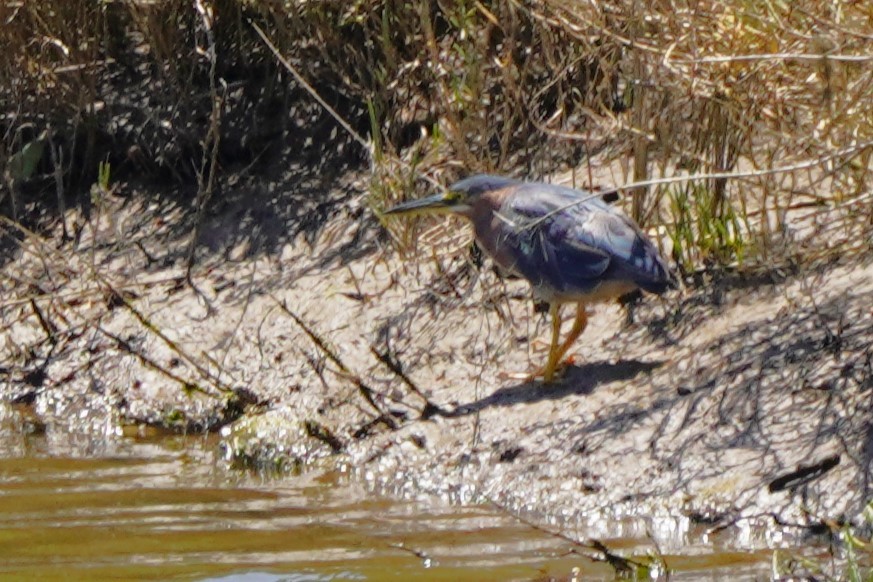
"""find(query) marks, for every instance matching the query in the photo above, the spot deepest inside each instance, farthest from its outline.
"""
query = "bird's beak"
(436, 204)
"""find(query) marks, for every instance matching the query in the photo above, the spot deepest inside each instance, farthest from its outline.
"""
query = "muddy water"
(168, 508)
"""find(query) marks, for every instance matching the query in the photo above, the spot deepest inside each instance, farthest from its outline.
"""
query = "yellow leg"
(557, 352)
(579, 325)
(554, 350)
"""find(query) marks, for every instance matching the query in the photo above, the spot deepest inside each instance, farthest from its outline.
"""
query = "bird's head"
(459, 198)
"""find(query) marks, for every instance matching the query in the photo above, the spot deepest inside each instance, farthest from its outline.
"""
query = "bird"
(569, 244)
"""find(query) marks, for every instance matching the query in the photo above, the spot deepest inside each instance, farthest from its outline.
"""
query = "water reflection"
(162, 507)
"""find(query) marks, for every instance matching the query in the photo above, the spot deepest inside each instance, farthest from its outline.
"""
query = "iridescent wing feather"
(572, 241)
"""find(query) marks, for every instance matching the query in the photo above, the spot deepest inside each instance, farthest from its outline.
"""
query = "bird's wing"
(573, 241)
(548, 249)
(546, 256)
(633, 256)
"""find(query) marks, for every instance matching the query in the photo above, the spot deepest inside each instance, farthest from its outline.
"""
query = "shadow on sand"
(575, 380)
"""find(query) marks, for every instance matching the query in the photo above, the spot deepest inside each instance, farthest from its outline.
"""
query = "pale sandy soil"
(704, 409)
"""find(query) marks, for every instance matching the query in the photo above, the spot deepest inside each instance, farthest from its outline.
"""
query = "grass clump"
(706, 230)
(850, 559)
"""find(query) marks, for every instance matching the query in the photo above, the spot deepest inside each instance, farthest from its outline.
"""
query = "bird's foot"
(541, 373)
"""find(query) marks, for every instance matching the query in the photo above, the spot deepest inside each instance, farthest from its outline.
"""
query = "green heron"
(569, 244)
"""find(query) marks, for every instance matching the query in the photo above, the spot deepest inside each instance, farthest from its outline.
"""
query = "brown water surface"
(167, 507)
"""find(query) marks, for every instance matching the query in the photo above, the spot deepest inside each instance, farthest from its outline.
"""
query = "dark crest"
(481, 183)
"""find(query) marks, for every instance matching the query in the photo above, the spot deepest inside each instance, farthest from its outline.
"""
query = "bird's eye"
(452, 197)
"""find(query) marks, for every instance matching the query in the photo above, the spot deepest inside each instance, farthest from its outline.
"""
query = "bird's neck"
(486, 225)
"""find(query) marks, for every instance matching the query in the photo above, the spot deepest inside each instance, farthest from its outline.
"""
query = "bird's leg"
(579, 325)
(547, 372)
(554, 350)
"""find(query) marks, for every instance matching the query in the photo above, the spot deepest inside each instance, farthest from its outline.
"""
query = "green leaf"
(22, 165)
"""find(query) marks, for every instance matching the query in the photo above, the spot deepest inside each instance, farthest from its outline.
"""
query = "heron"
(569, 244)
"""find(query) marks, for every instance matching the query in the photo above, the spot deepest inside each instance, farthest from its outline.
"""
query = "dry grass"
(772, 93)
(760, 110)
(766, 103)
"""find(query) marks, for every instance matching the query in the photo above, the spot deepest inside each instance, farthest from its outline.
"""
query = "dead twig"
(322, 433)
(363, 389)
(125, 346)
(430, 409)
(620, 564)
(309, 88)
(175, 347)
(47, 326)
(212, 140)
(57, 155)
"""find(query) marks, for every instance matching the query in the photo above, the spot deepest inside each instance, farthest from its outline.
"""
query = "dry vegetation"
(772, 100)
